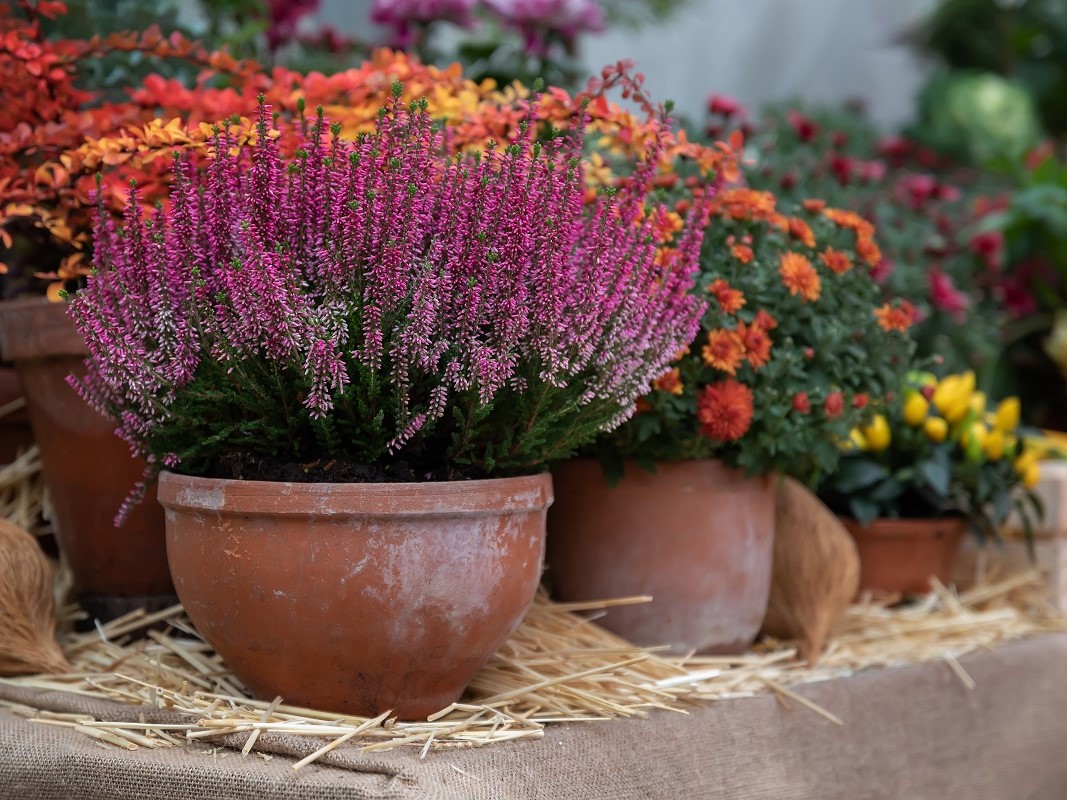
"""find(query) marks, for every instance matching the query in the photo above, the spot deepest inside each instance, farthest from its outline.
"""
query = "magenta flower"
(406, 16)
(945, 296)
(383, 301)
(539, 20)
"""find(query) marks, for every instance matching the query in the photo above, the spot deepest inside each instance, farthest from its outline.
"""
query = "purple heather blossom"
(440, 279)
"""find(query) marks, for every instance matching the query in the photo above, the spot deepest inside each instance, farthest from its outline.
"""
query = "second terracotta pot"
(88, 470)
(695, 535)
(899, 556)
(356, 598)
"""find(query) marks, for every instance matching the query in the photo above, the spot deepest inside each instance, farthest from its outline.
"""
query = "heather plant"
(796, 348)
(381, 308)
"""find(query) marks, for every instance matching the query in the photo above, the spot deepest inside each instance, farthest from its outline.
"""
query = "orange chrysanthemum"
(895, 318)
(724, 351)
(835, 260)
(849, 219)
(670, 382)
(799, 276)
(757, 344)
(743, 203)
(724, 410)
(765, 320)
(801, 231)
(730, 300)
(742, 252)
(814, 206)
(868, 250)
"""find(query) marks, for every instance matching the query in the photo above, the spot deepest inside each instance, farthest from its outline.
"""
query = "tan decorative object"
(27, 607)
(816, 571)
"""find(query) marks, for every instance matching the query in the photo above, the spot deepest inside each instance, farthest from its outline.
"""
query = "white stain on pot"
(212, 499)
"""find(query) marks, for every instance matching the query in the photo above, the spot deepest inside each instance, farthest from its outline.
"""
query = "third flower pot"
(900, 556)
(88, 470)
(696, 535)
(356, 597)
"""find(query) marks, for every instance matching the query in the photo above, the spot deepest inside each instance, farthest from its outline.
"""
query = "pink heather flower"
(358, 296)
(538, 19)
(945, 296)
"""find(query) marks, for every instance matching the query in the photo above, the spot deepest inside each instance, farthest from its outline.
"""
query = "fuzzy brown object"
(27, 607)
(816, 570)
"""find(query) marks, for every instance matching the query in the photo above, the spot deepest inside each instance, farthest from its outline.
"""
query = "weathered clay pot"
(88, 470)
(356, 598)
(15, 432)
(696, 536)
(899, 556)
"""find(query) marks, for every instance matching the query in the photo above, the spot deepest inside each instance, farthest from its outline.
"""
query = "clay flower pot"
(356, 598)
(899, 556)
(87, 469)
(15, 432)
(696, 536)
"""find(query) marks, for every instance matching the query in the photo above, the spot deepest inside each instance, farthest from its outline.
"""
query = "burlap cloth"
(911, 732)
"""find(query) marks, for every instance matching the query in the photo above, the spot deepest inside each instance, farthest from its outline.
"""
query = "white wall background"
(756, 51)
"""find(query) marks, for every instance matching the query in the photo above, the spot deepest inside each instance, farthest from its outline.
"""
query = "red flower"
(945, 295)
(724, 410)
(801, 403)
(804, 128)
(860, 400)
(990, 246)
(725, 105)
(809, 353)
(834, 405)
(836, 260)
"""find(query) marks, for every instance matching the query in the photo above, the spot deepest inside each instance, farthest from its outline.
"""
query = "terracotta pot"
(87, 468)
(899, 556)
(696, 536)
(15, 433)
(356, 598)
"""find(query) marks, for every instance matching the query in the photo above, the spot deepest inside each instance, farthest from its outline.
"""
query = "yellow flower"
(1032, 476)
(973, 440)
(936, 429)
(994, 445)
(952, 397)
(1008, 414)
(977, 404)
(915, 409)
(1025, 461)
(877, 434)
(857, 439)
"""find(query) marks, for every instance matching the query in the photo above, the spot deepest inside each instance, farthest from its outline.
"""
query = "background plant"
(939, 450)
(795, 349)
(425, 316)
(938, 251)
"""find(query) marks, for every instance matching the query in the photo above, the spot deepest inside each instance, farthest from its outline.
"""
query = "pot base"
(106, 607)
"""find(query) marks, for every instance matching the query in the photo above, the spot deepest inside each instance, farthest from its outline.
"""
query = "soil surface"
(249, 467)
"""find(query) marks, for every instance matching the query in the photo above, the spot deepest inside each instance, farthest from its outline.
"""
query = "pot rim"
(897, 526)
(36, 327)
(179, 492)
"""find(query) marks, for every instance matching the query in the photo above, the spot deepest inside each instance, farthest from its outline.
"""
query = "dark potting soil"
(250, 467)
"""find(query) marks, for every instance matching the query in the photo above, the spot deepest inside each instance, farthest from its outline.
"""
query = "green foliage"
(822, 352)
(916, 463)
(1025, 40)
(926, 212)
